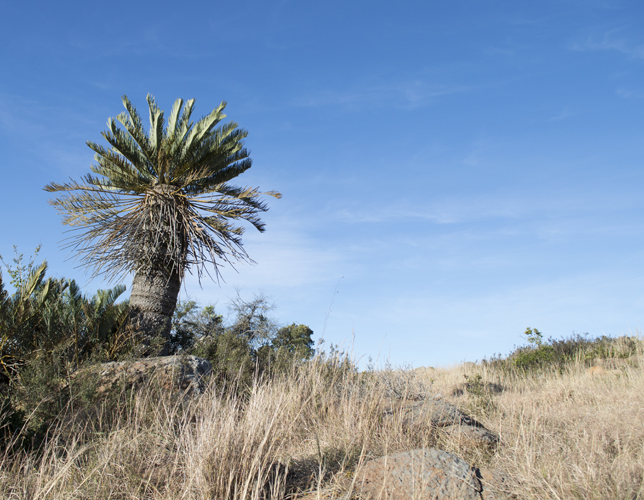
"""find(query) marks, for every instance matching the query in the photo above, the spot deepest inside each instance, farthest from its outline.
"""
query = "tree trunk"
(157, 280)
(152, 303)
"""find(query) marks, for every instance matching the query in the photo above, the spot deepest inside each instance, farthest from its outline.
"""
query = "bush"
(48, 329)
(557, 354)
(252, 345)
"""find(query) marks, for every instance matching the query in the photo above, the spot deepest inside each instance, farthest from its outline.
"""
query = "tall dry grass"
(563, 435)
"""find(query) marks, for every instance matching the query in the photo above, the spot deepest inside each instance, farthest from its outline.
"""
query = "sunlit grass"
(564, 434)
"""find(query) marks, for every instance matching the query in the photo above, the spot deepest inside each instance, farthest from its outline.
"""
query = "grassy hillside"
(565, 431)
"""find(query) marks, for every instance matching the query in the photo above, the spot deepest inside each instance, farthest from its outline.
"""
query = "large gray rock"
(437, 413)
(469, 436)
(173, 373)
(421, 416)
(429, 412)
(419, 475)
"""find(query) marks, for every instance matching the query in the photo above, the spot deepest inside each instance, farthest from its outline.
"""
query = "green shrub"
(48, 329)
(252, 345)
(557, 354)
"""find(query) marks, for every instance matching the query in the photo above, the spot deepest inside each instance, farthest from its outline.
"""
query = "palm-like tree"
(160, 204)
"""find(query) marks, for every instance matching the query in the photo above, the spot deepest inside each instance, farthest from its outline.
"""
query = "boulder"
(437, 413)
(471, 436)
(433, 414)
(496, 485)
(181, 373)
(420, 475)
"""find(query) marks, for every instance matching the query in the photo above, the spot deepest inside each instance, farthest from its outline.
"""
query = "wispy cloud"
(408, 95)
(473, 208)
(443, 212)
(630, 94)
(611, 41)
(298, 263)
(565, 113)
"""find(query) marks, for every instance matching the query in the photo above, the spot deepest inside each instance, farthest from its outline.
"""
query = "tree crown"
(161, 197)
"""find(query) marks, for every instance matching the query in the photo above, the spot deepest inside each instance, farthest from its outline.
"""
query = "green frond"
(123, 144)
(199, 131)
(74, 292)
(113, 161)
(107, 298)
(184, 124)
(33, 281)
(174, 117)
(134, 125)
(156, 130)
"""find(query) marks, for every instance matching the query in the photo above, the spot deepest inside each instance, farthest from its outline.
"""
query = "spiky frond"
(161, 197)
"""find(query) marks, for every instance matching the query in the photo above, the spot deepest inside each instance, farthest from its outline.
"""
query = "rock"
(432, 412)
(495, 484)
(183, 373)
(419, 474)
(470, 436)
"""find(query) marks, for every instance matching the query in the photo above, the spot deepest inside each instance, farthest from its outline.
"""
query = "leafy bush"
(253, 344)
(48, 329)
(557, 354)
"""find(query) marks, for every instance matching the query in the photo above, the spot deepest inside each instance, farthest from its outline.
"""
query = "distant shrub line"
(556, 354)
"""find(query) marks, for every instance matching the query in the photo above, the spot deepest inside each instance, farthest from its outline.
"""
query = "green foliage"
(23, 316)
(557, 354)
(21, 271)
(161, 198)
(481, 394)
(231, 356)
(48, 329)
(251, 345)
(535, 337)
(296, 340)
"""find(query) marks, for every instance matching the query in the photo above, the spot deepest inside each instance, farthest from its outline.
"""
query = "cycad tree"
(160, 203)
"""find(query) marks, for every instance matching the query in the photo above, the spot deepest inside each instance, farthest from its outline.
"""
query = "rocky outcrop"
(470, 436)
(418, 474)
(439, 414)
(173, 373)
(431, 473)
(435, 413)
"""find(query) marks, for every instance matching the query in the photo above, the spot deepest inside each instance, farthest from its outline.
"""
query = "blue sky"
(452, 172)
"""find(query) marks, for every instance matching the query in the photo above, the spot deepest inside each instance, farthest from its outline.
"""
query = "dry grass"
(563, 435)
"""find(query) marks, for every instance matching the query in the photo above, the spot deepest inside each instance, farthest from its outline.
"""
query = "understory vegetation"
(280, 420)
(49, 330)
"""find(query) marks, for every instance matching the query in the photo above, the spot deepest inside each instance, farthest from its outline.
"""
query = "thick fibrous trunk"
(160, 253)
(152, 303)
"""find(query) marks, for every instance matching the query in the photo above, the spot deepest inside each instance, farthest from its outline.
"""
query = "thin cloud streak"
(565, 113)
(609, 42)
(407, 95)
